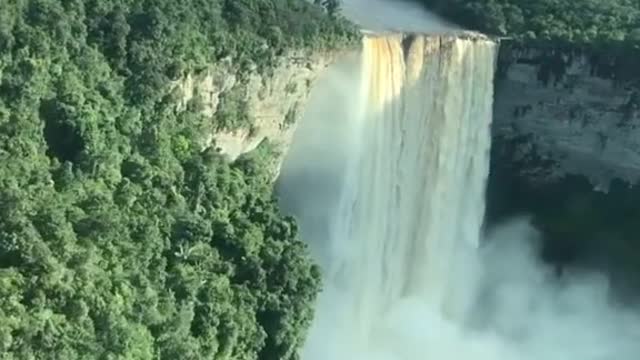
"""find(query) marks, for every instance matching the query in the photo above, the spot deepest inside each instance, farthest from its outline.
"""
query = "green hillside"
(119, 237)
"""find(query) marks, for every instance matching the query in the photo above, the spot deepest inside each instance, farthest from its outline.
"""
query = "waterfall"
(414, 195)
(408, 189)
(386, 176)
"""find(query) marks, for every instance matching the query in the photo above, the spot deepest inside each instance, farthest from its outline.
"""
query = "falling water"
(409, 194)
(413, 196)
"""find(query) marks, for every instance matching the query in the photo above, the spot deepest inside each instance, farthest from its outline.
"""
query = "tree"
(119, 236)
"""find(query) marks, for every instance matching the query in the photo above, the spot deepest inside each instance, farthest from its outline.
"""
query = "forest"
(579, 22)
(122, 236)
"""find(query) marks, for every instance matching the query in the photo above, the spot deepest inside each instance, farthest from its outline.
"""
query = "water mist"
(387, 177)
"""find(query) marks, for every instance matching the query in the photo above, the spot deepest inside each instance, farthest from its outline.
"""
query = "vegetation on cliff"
(575, 22)
(119, 237)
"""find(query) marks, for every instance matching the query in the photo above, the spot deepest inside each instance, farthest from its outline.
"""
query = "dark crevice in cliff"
(580, 227)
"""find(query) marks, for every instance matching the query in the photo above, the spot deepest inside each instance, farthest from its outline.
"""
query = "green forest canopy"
(576, 22)
(119, 237)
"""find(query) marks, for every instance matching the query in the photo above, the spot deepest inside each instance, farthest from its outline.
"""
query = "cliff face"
(273, 101)
(566, 113)
(558, 113)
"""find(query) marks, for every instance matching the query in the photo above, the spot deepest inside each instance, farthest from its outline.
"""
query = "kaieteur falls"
(410, 200)
(386, 176)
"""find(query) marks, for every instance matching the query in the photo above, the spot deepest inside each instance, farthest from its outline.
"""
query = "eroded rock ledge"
(273, 101)
(571, 112)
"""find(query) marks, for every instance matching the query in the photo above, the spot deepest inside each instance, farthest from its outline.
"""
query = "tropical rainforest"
(123, 234)
(576, 22)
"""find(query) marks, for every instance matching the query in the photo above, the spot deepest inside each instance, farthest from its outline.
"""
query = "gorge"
(389, 190)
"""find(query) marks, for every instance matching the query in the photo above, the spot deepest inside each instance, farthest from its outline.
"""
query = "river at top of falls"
(395, 16)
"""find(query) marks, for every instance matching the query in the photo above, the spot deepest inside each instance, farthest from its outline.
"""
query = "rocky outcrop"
(566, 113)
(273, 101)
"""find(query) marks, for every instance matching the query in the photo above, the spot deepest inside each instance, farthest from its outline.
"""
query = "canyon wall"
(567, 113)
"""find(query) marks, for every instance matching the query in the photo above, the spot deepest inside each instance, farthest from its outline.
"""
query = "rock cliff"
(564, 111)
(272, 100)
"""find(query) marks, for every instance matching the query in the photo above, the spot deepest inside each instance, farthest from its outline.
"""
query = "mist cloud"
(522, 311)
